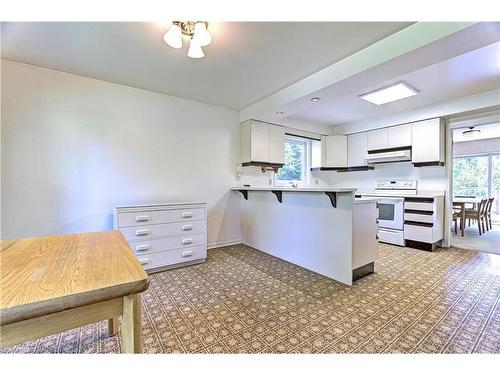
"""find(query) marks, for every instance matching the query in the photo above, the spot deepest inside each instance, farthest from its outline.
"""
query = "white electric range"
(391, 208)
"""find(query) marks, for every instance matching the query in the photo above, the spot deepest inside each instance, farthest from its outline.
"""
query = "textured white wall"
(74, 147)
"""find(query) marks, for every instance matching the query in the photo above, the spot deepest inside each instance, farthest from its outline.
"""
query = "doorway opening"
(475, 221)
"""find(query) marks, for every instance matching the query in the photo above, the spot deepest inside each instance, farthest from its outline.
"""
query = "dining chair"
(487, 213)
(478, 214)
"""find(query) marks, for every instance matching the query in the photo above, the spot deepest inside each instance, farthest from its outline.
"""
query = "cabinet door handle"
(142, 218)
(144, 261)
(187, 241)
(142, 232)
(187, 227)
(187, 253)
(187, 214)
(142, 247)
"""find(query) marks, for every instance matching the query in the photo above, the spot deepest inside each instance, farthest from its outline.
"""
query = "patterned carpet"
(244, 301)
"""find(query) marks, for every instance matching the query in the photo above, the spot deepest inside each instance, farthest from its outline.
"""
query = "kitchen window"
(297, 161)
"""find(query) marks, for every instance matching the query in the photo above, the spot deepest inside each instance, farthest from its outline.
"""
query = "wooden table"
(460, 202)
(53, 284)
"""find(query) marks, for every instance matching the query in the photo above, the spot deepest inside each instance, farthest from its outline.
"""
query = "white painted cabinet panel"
(399, 136)
(259, 141)
(428, 141)
(356, 150)
(335, 151)
(276, 144)
(377, 139)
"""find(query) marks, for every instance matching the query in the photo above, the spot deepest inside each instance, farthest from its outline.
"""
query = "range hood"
(387, 156)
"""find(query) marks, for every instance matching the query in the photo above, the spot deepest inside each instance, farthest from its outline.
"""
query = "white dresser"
(165, 236)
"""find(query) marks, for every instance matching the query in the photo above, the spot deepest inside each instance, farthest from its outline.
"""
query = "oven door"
(391, 213)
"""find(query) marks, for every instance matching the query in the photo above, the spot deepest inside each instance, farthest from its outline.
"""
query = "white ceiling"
(487, 132)
(244, 63)
(470, 73)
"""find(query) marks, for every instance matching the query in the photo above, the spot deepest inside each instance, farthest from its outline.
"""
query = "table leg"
(462, 218)
(113, 326)
(137, 323)
(127, 325)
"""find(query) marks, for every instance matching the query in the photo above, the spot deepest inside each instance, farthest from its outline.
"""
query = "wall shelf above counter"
(278, 191)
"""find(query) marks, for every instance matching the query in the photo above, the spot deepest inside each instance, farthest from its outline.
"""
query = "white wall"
(74, 147)
(429, 178)
(482, 146)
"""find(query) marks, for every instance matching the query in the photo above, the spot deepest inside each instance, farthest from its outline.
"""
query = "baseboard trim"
(363, 271)
(421, 245)
(216, 244)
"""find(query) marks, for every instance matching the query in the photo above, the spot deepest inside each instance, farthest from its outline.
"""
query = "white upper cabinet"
(334, 151)
(377, 139)
(276, 144)
(357, 149)
(428, 142)
(399, 136)
(395, 136)
(262, 143)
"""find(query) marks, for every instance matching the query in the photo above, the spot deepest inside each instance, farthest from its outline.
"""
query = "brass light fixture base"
(187, 27)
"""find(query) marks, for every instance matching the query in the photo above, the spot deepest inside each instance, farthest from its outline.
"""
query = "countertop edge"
(305, 190)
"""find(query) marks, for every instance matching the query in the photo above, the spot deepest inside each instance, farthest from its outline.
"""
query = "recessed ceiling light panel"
(389, 93)
(315, 99)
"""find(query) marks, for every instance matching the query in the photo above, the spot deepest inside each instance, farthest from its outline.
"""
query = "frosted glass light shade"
(195, 50)
(173, 37)
(201, 34)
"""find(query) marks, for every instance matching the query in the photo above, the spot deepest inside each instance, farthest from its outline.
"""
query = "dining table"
(55, 283)
(460, 202)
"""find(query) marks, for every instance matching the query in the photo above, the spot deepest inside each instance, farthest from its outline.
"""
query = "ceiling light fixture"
(195, 30)
(315, 99)
(471, 132)
(195, 50)
(391, 93)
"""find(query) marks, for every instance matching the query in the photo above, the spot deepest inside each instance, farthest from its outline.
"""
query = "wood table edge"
(50, 306)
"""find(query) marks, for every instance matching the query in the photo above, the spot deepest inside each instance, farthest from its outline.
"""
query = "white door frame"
(451, 124)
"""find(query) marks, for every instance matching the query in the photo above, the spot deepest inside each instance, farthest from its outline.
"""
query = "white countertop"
(366, 199)
(298, 189)
(422, 194)
(160, 204)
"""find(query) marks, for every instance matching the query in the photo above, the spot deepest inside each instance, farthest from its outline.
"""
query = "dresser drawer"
(171, 243)
(418, 233)
(167, 258)
(140, 218)
(421, 218)
(143, 232)
(421, 206)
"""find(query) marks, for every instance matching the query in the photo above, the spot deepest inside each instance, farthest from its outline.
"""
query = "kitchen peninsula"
(313, 228)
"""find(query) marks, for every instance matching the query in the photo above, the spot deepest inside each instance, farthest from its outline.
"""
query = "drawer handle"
(187, 241)
(142, 247)
(142, 218)
(187, 214)
(142, 232)
(187, 253)
(187, 227)
(144, 261)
